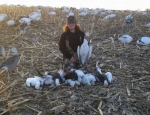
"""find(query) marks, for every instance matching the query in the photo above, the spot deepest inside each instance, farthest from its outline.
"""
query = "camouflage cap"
(71, 19)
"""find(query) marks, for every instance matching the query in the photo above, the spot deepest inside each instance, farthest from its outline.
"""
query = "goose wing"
(84, 50)
(11, 62)
(78, 53)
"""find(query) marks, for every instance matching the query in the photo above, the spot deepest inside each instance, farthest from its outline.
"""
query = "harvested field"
(129, 93)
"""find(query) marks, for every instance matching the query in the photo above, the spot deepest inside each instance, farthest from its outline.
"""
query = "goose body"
(10, 23)
(25, 20)
(125, 39)
(84, 52)
(99, 76)
(147, 25)
(55, 77)
(79, 73)
(88, 79)
(143, 41)
(52, 13)
(11, 62)
(128, 19)
(2, 17)
(35, 15)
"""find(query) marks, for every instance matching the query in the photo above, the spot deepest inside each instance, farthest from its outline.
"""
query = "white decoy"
(109, 16)
(11, 62)
(125, 39)
(36, 16)
(2, 51)
(143, 41)
(52, 13)
(84, 51)
(82, 13)
(129, 16)
(70, 14)
(25, 20)
(147, 25)
(2, 17)
(10, 22)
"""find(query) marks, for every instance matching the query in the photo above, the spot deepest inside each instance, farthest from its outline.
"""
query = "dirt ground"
(129, 93)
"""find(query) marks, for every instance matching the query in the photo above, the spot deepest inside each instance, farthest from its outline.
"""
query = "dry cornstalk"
(99, 108)
(10, 105)
(39, 112)
(128, 91)
(8, 87)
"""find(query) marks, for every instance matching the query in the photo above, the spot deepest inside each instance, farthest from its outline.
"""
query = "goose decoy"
(11, 62)
(88, 79)
(84, 52)
(143, 41)
(147, 25)
(10, 22)
(128, 19)
(125, 39)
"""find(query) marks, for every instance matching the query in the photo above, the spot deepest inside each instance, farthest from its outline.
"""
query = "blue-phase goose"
(11, 62)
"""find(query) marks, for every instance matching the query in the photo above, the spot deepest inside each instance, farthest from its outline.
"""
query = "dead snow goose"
(2, 17)
(88, 79)
(99, 76)
(71, 78)
(36, 82)
(79, 73)
(84, 51)
(55, 77)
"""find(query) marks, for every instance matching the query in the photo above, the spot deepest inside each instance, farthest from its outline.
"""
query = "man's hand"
(73, 59)
(86, 37)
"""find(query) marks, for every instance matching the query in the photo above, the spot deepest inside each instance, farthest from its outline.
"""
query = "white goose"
(84, 51)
